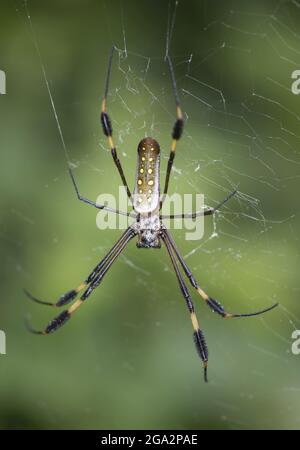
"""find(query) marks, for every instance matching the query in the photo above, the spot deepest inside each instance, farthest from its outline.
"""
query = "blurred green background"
(126, 359)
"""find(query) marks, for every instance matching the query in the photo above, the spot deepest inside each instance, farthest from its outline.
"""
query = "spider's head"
(148, 239)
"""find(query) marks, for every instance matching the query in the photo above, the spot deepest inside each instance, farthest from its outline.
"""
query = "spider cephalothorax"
(148, 225)
(148, 229)
(148, 239)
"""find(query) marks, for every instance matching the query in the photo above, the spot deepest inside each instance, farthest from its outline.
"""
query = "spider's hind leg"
(91, 283)
(198, 334)
(64, 299)
(214, 305)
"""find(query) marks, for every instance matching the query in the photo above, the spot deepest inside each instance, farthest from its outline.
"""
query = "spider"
(148, 226)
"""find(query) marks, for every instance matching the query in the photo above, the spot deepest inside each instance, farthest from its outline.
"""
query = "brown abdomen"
(147, 190)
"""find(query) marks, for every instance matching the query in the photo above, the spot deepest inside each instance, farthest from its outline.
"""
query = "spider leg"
(198, 335)
(64, 299)
(93, 280)
(208, 212)
(107, 127)
(212, 303)
(70, 295)
(90, 202)
(177, 129)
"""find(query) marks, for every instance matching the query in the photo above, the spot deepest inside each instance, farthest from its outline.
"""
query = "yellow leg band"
(173, 146)
(75, 306)
(202, 293)
(82, 286)
(195, 321)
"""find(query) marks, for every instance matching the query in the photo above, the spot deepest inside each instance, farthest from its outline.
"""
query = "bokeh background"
(126, 359)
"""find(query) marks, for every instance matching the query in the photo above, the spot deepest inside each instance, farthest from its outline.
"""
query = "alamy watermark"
(296, 343)
(2, 82)
(177, 213)
(296, 84)
(2, 343)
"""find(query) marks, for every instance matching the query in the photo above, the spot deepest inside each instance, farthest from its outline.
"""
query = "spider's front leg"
(107, 126)
(214, 305)
(91, 283)
(177, 130)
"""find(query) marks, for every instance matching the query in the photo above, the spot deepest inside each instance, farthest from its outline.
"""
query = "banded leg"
(177, 129)
(94, 279)
(198, 335)
(90, 202)
(69, 296)
(208, 212)
(214, 305)
(107, 127)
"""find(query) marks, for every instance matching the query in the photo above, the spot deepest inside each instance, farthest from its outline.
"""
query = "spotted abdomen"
(147, 191)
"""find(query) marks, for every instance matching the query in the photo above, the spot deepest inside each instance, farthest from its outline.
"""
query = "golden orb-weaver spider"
(148, 227)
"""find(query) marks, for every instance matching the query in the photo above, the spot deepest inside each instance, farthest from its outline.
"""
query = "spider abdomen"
(147, 191)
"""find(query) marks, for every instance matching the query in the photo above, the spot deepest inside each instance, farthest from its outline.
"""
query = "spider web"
(241, 132)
